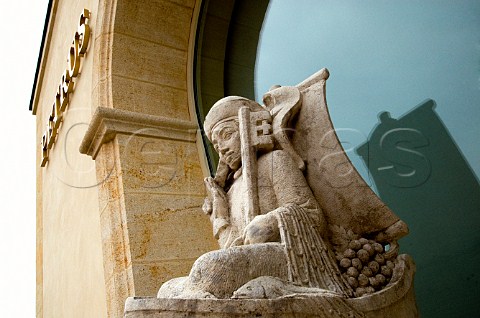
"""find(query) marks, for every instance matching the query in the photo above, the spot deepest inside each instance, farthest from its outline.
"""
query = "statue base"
(395, 301)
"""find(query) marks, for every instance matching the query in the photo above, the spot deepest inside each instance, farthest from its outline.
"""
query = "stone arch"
(143, 140)
(149, 156)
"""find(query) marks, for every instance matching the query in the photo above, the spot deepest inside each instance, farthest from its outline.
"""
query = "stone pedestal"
(395, 301)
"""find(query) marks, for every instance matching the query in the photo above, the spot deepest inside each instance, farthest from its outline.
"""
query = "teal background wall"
(420, 62)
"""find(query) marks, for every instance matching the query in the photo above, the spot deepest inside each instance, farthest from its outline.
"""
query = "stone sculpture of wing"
(346, 200)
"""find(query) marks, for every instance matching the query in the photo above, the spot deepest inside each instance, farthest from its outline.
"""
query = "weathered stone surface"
(141, 71)
(149, 62)
(172, 21)
(149, 98)
(285, 224)
(397, 301)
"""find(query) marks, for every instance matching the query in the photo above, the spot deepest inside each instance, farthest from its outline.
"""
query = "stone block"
(149, 62)
(169, 234)
(158, 165)
(149, 276)
(162, 22)
(148, 98)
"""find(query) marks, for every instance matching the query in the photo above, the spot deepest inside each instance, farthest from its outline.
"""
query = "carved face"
(226, 141)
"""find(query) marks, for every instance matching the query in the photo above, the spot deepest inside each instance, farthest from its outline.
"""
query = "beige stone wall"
(126, 222)
(167, 230)
(70, 273)
(153, 196)
(162, 179)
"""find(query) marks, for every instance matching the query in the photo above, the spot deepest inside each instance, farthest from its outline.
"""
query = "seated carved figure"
(276, 237)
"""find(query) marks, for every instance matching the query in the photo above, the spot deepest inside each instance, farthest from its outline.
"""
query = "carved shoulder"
(277, 159)
(288, 182)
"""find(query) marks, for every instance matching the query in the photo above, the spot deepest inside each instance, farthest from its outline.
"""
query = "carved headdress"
(227, 109)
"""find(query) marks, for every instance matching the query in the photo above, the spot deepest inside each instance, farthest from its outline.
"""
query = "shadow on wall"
(421, 175)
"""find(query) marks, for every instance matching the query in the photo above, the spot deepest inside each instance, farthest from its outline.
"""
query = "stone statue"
(292, 216)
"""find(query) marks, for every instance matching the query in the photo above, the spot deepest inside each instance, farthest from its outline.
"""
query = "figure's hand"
(262, 229)
(215, 191)
(216, 204)
(207, 206)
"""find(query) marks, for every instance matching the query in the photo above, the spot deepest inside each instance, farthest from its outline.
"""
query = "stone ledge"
(397, 301)
(108, 122)
(143, 307)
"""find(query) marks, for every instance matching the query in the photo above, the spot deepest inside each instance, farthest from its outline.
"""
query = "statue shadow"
(422, 175)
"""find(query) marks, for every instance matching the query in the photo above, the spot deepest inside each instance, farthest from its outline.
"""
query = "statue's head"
(221, 128)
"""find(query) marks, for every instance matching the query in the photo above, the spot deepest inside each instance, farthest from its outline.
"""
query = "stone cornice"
(108, 122)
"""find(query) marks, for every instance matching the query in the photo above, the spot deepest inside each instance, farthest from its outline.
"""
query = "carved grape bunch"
(364, 265)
